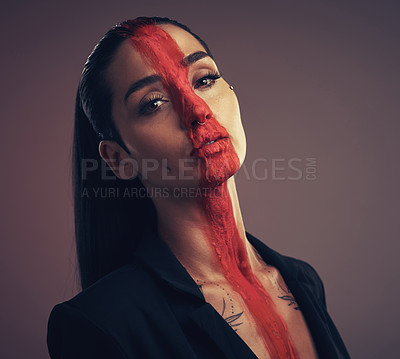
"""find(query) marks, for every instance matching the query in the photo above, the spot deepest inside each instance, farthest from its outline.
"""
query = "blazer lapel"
(316, 318)
(228, 341)
(315, 315)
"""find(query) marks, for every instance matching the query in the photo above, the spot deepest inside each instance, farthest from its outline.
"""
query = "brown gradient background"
(314, 79)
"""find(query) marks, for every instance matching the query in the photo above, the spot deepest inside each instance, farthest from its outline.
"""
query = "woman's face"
(154, 132)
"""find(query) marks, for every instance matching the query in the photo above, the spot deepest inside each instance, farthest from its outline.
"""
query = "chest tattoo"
(233, 319)
(286, 294)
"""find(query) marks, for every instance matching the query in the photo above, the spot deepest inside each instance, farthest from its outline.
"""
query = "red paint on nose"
(165, 56)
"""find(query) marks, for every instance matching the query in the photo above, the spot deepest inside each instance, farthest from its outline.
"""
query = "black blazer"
(152, 308)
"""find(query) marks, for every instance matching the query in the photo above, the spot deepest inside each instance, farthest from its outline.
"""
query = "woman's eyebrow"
(187, 61)
(195, 56)
(138, 85)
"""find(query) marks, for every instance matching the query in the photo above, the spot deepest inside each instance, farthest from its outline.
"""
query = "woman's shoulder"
(106, 298)
(92, 323)
(307, 274)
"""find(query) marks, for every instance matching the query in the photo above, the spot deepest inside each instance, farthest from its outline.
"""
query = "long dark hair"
(110, 213)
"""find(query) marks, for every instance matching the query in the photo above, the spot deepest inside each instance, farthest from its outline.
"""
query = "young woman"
(167, 268)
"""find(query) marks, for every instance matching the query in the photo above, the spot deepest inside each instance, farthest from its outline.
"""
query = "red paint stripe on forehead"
(159, 49)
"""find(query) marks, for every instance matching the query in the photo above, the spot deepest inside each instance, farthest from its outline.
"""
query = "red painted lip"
(206, 141)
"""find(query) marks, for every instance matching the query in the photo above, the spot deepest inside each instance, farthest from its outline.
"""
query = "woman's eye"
(207, 81)
(152, 105)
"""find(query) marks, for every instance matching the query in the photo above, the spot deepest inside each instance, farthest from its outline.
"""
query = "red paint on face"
(163, 54)
(219, 162)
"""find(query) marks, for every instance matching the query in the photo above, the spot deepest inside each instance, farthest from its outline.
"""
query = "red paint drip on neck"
(165, 56)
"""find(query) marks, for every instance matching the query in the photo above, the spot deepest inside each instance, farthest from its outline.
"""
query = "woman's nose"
(199, 115)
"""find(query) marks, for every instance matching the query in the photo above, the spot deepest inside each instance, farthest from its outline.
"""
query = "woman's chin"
(219, 170)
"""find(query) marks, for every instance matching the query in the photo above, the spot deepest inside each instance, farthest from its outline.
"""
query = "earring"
(231, 87)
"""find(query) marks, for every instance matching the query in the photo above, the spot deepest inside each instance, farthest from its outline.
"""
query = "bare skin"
(181, 219)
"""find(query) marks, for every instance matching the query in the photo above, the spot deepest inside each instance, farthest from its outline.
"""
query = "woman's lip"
(212, 141)
(194, 150)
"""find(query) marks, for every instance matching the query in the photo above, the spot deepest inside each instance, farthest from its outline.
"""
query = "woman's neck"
(196, 230)
(209, 240)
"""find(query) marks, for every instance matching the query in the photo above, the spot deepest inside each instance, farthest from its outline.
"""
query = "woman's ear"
(122, 164)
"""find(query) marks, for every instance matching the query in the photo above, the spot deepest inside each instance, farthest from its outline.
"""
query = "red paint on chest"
(219, 162)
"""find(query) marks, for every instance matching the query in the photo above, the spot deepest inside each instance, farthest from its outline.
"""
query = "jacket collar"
(157, 257)
(155, 254)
